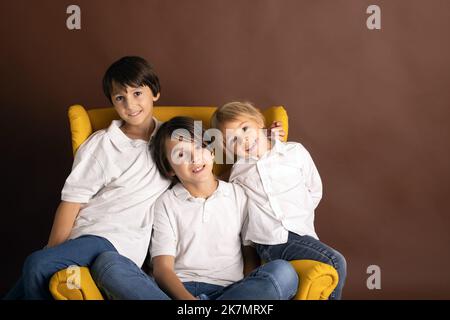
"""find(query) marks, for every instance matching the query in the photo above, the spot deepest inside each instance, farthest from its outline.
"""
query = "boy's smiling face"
(244, 137)
(191, 163)
(133, 104)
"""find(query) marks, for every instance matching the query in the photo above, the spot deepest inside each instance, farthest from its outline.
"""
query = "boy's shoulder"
(234, 190)
(101, 142)
(293, 147)
(290, 145)
(93, 141)
(171, 196)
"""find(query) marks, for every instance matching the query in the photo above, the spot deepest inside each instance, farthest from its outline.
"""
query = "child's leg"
(275, 280)
(119, 278)
(306, 247)
(41, 265)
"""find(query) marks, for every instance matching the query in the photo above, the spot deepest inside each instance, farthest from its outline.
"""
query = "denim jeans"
(119, 278)
(305, 247)
(275, 280)
(42, 264)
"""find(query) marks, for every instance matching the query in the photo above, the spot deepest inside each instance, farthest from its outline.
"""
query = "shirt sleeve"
(164, 239)
(233, 174)
(85, 180)
(312, 178)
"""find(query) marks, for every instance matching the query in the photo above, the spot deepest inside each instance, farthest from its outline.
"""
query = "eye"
(244, 128)
(118, 98)
(137, 93)
(180, 154)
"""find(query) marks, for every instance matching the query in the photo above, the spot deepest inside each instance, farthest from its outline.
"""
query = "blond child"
(283, 186)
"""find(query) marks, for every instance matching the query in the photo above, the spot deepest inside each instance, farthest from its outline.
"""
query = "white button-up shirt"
(284, 188)
(117, 182)
(204, 236)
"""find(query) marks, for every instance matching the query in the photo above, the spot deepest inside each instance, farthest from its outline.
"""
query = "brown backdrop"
(371, 106)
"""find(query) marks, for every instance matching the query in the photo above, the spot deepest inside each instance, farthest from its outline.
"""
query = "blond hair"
(232, 110)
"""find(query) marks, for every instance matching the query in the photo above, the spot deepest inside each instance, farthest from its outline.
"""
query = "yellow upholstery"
(317, 280)
(86, 289)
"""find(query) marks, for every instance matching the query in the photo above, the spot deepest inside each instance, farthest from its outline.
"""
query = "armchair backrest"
(84, 122)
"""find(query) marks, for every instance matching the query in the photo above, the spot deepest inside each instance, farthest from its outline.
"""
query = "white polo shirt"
(204, 236)
(117, 182)
(284, 188)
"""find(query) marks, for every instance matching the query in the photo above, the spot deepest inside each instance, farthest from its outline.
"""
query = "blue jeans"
(120, 278)
(305, 247)
(42, 264)
(275, 280)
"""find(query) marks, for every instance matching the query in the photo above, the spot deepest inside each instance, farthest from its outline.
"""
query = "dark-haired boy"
(108, 198)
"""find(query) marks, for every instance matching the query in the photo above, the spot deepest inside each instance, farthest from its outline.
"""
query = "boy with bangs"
(107, 200)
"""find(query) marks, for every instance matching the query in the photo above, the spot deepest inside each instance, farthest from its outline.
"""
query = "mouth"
(198, 169)
(134, 114)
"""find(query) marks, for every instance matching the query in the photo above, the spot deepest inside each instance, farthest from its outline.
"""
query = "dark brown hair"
(130, 71)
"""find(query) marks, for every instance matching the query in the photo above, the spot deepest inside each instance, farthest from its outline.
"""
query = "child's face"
(191, 163)
(134, 105)
(244, 137)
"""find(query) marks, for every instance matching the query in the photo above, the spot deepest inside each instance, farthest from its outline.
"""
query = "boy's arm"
(251, 259)
(84, 182)
(63, 222)
(168, 280)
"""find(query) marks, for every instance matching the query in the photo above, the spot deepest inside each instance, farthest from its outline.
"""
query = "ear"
(157, 97)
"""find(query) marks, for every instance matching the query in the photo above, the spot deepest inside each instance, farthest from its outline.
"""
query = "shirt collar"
(183, 194)
(279, 147)
(120, 139)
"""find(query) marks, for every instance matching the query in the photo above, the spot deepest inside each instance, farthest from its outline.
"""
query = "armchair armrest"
(317, 280)
(63, 287)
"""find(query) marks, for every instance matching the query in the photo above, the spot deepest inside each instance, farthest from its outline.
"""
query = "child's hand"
(276, 131)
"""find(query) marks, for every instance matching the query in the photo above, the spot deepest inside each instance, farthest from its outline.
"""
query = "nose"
(197, 156)
(242, 140)
(129, 102)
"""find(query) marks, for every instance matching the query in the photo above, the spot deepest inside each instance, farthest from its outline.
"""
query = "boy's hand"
(276, 131)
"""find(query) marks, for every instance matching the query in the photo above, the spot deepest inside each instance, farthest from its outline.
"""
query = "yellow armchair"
(317, 279)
